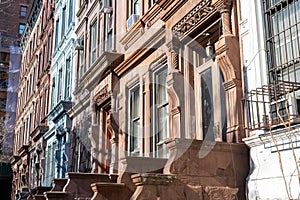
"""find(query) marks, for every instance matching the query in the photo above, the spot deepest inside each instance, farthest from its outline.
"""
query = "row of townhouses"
(10, 61)
(159, 99)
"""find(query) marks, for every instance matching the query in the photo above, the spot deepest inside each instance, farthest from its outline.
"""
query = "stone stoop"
(125, 187)
(59, 184)
(168, 187)
(110, 191)
(219, 168)
(77, 186)
(39, 195)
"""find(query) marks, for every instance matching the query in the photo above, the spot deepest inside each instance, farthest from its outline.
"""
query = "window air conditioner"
(79, 44)
(131, 20)
(107, 7)
(280, 107)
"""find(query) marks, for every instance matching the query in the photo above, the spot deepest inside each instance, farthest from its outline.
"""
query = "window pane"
(161, 104)
(207, 104)
(21, 28)
(94, 41)
(163, 123)
(23, 11)
(134, 117)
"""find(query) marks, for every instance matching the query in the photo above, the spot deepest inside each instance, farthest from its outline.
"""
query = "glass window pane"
(207, 104)
(134, 119)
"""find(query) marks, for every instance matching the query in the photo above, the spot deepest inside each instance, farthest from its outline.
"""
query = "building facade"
(157, 102)
(33, 99)
(271, 71)
(61, 71)
(10, 62)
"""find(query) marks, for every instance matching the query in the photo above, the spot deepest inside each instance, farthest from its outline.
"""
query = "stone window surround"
(155, 66)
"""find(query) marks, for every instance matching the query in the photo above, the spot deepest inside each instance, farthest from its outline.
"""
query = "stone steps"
(77, 186)
(110, 191)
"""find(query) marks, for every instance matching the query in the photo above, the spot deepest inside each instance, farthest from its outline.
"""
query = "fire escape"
(276, 106)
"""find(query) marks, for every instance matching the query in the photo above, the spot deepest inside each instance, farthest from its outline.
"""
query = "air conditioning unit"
(286, 107)
(79, 44)
(131, 20)
(107, 6)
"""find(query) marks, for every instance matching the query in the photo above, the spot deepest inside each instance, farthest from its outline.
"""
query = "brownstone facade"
(33, 94)
(13, 16)
(157, 104)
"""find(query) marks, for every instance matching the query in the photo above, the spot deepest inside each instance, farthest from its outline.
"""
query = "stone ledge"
(152, 179)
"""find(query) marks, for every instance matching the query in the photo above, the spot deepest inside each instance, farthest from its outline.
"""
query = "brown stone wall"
(10, 16)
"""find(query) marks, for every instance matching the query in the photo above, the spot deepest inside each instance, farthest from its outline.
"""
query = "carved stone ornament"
(203, 9)
(102, 95)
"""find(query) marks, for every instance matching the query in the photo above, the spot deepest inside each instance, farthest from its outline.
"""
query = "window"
(151, 2)
(109, 31)
(63, 18)
(56, 33)
(23, 11)
(135, 7)
(53, 90)
(68, 78)
(49, 47)
(282, 24)
(161, 111)
(212, 117)
(21, 28)
(41, 109)
(45, 56)
(37, 36)
(59, 89)
(40, 66)
(46, 103)
(81, 62)
(82, 2)
(134, 120)
(43, 19)
(94, 32)
(70, 11)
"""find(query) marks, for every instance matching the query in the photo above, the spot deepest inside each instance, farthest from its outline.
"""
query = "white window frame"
(93, 42)
(159, 146)
(217, 127)
(136, 151)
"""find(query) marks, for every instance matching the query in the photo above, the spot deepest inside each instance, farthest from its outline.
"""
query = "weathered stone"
(220, 193)
(214, 164)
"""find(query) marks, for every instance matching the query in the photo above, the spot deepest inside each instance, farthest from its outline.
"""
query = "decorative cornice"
(102, 95)
(37, 133)
(194, 17)
(59, 109)
(139, 28)
(107, 61)
(23, 150)
(147, 46)
(81, 8)
(282, 137)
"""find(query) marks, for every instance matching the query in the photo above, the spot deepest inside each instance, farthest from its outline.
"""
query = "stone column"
(228, 59)
(147, 116)
(175, 81)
